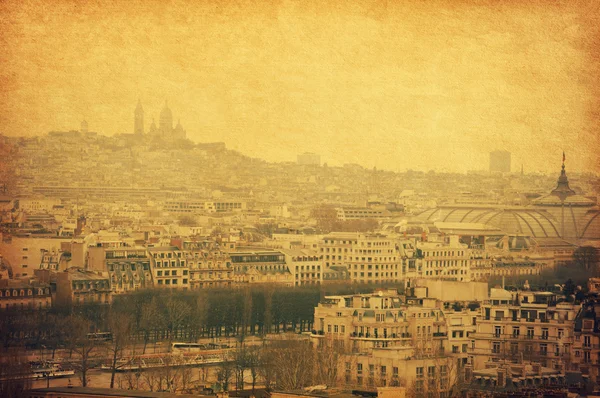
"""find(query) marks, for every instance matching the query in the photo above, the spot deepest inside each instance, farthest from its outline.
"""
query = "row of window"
(167, 255)
(170, 272)
(376, 266)
(452, 253)
(172, 281)
(173, 263)
(383, 275)
(21, 293)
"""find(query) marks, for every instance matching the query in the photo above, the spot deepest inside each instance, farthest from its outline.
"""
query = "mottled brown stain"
(392, 84)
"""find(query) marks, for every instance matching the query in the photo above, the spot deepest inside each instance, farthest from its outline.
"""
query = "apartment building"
(128, 268)
(260, 267)
(21, 295)
(585, 353)
(24, 253)
(76, 286)
(386, 337)
(169, 267)
(208, 265)
(369, 258)
(305, 265)
(533, 326)
(446, 258)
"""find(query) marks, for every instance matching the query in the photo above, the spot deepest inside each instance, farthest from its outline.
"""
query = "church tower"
(138, 127)
(165, 123)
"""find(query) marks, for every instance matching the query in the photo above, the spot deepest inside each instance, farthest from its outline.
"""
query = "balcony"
(371, 336)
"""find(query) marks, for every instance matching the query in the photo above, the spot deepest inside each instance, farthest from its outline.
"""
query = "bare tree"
(587, 258)
(12, 368)
(149, 320)
(293, 362)
(328, 356)
(268, 314)
(225, 374)
(85, 348)
(176, 315)
(240, 364)
(253, 363)
(120, 327)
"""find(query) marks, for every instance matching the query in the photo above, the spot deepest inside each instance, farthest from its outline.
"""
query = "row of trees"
(149, 316)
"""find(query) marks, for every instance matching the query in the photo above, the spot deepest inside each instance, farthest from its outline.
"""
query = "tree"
(587, 258)
(224, 374)
(176, 313)
(326, 217)
(268, 314)
(246, 314)
(293, 362)
(569, 287)
(187, 221)
(120, 328)
(328, 356)
(12, 367)
(149, 319)
(77, 329)
(253, 363)
(240, 364)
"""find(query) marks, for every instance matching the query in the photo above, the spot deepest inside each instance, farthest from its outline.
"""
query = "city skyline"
(375, 84)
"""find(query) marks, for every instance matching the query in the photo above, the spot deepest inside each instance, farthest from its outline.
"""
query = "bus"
(100, 336)
(187, 347)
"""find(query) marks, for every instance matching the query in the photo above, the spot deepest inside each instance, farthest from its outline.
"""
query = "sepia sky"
(393, 84)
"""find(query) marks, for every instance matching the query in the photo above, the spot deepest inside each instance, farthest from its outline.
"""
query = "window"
(419, 385)
(419, 372)
(431, 372)
(530, 333)
(158, 273)
(496, 347)
(545, 334)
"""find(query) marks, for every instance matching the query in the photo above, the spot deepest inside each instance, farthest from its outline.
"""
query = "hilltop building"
(138, 125)
(165, 128)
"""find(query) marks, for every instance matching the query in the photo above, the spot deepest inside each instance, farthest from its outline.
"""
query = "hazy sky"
(396, 85)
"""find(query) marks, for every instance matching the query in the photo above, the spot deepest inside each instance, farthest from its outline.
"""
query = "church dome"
(166, 119)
